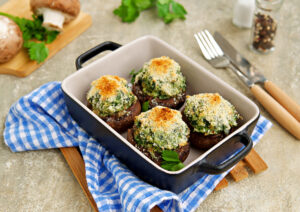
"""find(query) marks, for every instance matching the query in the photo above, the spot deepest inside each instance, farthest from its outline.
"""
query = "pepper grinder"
(243, 13)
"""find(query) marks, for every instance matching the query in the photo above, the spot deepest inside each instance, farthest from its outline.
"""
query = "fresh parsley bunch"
(168, 10)
(33, 30)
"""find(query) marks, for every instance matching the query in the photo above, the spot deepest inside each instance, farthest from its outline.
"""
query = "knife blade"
(239, 60)
(255, 76)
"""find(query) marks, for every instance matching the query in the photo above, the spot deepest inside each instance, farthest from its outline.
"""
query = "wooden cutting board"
(76, 163)
(21, 65)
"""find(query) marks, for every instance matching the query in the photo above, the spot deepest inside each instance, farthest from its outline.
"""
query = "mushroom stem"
(53, 19)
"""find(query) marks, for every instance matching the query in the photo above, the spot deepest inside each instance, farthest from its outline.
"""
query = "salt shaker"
(243, 13)
(265, 23)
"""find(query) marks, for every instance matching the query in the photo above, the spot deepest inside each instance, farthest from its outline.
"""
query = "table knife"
(251, 77)
(256, 77)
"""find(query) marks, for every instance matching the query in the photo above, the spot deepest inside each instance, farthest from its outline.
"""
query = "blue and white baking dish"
(133, 55)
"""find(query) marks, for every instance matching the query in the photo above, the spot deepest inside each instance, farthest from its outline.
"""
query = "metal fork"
(215, 56)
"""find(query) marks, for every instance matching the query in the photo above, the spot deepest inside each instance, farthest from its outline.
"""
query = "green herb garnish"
(133, 74)
(33, 30)
(37, 51)
(168, 10)
(145, 106)
(171, 161)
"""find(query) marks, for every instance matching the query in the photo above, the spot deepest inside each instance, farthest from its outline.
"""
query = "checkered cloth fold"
(40, 120)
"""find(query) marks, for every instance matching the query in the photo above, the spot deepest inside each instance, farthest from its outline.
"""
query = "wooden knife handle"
(287, 102)
(277, 111)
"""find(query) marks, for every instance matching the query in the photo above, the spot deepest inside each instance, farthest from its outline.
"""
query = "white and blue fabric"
(40, 120)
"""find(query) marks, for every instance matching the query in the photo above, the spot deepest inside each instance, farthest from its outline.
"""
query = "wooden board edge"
(85, 21)
(76, 164)
(255, 162)
(222, 184)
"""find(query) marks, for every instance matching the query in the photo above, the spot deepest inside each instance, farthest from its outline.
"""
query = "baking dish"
(133, 55)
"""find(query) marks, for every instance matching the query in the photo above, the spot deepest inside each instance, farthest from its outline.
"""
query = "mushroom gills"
(53, 19)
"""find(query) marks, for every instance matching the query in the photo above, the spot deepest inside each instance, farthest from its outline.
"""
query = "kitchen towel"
(40, 120)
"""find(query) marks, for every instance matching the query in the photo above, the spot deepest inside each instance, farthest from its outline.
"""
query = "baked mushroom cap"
(210, 113)
(110, 96)
(161, 78)
(160, 129)
(11, 39)
(56, 12)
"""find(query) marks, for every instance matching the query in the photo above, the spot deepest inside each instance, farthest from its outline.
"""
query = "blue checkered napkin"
(40, 120)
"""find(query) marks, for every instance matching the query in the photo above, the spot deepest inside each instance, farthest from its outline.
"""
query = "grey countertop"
(42, 180)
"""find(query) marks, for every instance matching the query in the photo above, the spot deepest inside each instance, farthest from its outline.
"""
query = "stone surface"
(42, 181)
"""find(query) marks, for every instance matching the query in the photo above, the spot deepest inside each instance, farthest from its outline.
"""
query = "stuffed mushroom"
(159, 129)
(112, 100)
(160, 82)
(210, 118)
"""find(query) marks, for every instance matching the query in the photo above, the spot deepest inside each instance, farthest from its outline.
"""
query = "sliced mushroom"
(11, 39)
(56, 12)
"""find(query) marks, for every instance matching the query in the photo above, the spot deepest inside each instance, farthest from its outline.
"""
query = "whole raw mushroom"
(56, 12)
(11, 39)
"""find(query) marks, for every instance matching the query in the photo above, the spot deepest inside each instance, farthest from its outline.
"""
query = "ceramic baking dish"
(133, 55)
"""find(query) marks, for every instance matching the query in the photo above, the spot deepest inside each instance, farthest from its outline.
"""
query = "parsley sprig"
(133, 74)
(33, 30)
(171, 161)
(168, 10)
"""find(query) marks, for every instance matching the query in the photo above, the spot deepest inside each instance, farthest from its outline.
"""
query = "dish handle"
(108, 45)
(209, 168)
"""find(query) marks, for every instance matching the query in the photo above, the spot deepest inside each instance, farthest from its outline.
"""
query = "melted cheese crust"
(161, 77)
(163, 117)
(162, 127)
(210, 113)
(109, 95)
(160, 66)
(107, 86)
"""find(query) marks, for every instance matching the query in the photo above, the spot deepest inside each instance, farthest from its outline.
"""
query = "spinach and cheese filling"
(159, 129)
(210, 113)
(110, 95)
(161, 77)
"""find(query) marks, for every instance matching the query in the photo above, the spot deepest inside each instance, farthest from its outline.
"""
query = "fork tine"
(210, 45)
(203, 50)
(214, 43)
(206, 45)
